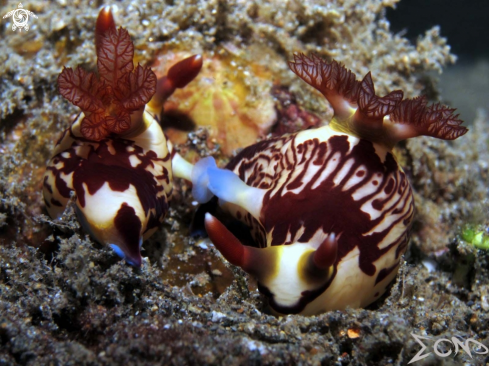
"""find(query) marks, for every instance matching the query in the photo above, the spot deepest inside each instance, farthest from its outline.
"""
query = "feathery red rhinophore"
(373, 106)
(333, 80)
(108, 100)
(436, 120)
(105, 23)
(357, 100)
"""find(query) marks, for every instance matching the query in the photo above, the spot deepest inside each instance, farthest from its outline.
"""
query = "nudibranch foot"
(115, 156)
(134, 260)
(329, 209)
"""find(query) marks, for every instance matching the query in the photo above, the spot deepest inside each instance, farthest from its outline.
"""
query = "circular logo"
(20, 17)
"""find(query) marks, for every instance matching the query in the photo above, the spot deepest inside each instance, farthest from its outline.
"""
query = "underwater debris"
(291, 117)
(478, 238)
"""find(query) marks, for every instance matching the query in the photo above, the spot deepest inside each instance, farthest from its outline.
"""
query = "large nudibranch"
(115, 156)
(329, 209)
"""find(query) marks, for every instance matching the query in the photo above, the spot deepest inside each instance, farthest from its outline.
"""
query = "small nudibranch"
(115, 156)
(329, 209)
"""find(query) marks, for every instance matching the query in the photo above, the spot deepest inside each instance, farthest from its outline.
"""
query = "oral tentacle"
(326, 254)
(259, 262)
(229, 246)
(178, 76)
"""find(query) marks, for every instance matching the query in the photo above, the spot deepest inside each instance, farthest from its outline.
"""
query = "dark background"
(465, 24)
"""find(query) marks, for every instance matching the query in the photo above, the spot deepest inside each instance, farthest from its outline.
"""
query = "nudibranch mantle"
(115, 156)
(329, 208)
(122, 185)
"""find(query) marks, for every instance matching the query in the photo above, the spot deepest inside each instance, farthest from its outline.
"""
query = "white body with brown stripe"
(306, 186)
(115, 157)
(122, 185)
(329, 209)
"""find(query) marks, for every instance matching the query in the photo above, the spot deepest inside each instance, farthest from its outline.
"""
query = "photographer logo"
(439, 349)
(20, 18)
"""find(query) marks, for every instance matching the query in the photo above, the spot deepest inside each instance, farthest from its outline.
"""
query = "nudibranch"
(329, 209)
(115, 156)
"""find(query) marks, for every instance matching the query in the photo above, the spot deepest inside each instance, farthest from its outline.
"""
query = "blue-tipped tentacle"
(118, 250)
(228, 187)
(200, 179)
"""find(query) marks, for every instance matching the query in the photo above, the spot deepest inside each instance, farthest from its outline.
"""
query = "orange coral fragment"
(108, 100)
(353, 333)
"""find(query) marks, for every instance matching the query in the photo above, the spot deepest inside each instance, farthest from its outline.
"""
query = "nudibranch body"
(115, 156)
(329, 208)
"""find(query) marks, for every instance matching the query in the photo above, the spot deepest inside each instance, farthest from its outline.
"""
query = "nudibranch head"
(115, 156)
(330, 208)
